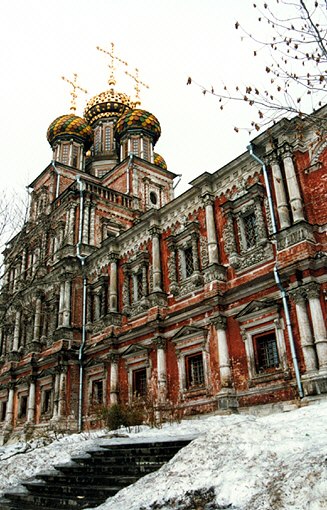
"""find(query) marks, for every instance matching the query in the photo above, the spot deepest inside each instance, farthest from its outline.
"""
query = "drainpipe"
(276, 273)
(82, 261)
(58, 177)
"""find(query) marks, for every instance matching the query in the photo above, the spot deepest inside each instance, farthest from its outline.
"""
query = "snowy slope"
(275, 462)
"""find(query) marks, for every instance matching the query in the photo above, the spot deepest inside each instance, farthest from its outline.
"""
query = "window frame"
(188, 359)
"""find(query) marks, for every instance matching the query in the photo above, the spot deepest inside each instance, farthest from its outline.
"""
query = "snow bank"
(276, 462)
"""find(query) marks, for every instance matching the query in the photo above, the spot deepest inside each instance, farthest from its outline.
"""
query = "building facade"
(210, 301)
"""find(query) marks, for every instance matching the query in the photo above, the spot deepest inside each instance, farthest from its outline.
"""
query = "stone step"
(89, 479)
(82, 478)
(30, 501)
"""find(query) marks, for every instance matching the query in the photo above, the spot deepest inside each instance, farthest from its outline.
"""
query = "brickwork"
(181, 289)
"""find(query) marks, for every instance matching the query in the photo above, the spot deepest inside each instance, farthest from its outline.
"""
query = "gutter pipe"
(82, 261)
(276, 273)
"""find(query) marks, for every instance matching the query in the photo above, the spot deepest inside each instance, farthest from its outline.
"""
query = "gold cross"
(138, 82)
(111, 65)
(73, 92)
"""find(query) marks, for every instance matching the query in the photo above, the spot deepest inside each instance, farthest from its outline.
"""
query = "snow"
(252, 462)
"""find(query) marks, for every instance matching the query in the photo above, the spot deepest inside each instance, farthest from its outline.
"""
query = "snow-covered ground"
(274, 462)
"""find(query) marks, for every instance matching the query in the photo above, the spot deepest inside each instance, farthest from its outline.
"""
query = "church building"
(213, 301)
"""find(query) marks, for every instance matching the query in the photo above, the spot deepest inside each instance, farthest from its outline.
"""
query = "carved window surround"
(191, 340)
(136, 285)
(95, 375)
(256, 319)
(47, 397)
(246, 248)
(184, 263)
(136, 357)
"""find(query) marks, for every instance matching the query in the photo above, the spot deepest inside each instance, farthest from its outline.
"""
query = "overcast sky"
(168, 40)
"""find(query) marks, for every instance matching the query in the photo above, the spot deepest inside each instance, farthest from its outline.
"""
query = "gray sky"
(168, 40)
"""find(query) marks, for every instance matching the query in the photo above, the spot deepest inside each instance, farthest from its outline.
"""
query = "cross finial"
(138, 82)
(111, 65)
(73, 92)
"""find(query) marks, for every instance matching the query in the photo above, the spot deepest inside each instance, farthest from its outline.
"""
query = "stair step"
(89, 479)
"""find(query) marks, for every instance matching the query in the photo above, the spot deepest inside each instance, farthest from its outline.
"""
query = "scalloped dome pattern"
(138, 120)
(70, 126)
(159, 161)
(107, 104)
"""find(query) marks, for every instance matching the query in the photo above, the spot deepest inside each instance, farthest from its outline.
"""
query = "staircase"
(88, 480)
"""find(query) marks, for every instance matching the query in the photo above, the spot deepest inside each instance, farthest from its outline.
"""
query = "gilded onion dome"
(109, 103)
(159, 161)
(138, 120)
(70, 126)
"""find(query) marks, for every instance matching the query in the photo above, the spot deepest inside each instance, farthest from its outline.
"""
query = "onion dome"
(159, 161)
(138, 120)
(70, 126)
(107, 104)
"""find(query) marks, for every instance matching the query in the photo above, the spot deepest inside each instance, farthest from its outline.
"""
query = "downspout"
(82, 261)
(58, 177)
(276, 273)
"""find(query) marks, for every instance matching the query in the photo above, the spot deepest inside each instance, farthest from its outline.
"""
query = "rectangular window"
(194, 371)
(139, 283)
(146, 150)
(107, 139)
(22, 411)
(97, 392)
(189, 266)
(65, 154)
(250, 230)
(139, 382)
(266, 352)
(75, 156)
(3, 410)
(135, 146)
(46, 401)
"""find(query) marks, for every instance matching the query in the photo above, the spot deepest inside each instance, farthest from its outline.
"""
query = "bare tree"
(291, 38)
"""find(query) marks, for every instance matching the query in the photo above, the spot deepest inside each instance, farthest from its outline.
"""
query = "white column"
(283, 213)
(293, 186)
(318, 324)
(161, 369)
(113, 298)
(66, 309)
(62, 395)
(37, 319)
(10, 406)
(86, 217)
(31, 402)
(223, 354)
(96, 298)
(156, 262)
(211, 230)
(61, 303)
(307, 342)
(113, 379)
(71, 224)
(56, 396)
(92, 224)
(15, 345)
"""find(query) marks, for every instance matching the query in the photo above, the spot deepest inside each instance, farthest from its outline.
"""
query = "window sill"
(269, 376)
(199, 391)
